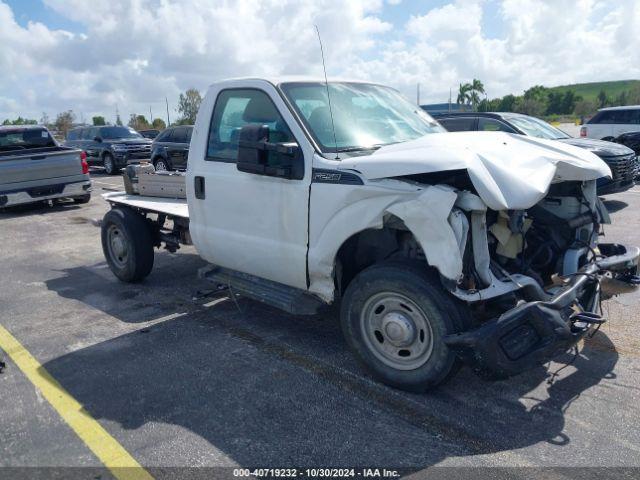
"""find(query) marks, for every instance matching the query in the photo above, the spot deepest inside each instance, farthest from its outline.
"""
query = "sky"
(96, 56)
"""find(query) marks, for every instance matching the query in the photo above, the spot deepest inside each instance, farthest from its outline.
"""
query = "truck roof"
(21, 127)
(277, 80)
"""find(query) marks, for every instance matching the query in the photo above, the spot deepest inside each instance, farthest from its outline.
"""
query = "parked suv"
(611, 122)
(621, 160)
(170, 149)
(110, 146)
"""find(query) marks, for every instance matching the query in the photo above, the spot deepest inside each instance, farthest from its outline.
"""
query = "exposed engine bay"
(533, 277)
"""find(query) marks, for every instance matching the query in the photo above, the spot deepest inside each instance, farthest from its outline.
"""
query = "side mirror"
(259, 156)
(97, 139)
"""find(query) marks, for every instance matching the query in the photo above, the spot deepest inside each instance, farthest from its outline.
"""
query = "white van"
(610, 122)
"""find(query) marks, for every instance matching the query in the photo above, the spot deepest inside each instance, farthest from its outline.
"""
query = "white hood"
(508, 171)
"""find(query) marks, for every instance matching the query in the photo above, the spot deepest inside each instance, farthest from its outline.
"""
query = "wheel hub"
(118, 245)
(398, 329)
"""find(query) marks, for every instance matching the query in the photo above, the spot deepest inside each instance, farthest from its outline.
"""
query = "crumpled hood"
(508, 171)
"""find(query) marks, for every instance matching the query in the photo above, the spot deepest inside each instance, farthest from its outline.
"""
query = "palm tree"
(463, 94)
(476, 89)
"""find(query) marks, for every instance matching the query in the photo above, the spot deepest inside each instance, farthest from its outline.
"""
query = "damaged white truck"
(439, 248)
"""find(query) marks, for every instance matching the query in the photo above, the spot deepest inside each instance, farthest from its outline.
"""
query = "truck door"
(248, 222)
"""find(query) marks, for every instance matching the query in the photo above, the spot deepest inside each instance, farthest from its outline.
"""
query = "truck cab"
(437, 248)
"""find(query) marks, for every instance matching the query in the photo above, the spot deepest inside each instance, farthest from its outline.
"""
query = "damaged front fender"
(425, 212)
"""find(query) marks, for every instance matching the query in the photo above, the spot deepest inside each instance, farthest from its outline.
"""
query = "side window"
(72, 135)
(88, 133)
(179, 135)
(463, 124)
(236, 108)
(634, 116)
(603, 117)
(622, 117)
(189, 132)
(492, 125)
(162, 136)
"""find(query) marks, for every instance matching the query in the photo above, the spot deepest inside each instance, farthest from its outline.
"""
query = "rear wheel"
(394, 315)
(127, 244)
(82, 199)
(160, 165)
(109, 164)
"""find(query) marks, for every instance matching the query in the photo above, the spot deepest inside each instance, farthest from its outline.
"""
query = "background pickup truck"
(33, 167)
(438, 248)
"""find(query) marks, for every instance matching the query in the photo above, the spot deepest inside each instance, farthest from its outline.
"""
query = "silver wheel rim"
(396, 331)
(108, 164)
(160, 166)
(117, 244)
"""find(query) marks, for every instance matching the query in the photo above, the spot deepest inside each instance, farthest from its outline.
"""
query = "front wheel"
(109, 164)
(394, 316)
(127, 244)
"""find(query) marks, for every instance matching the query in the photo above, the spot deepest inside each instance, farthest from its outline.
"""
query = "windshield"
(119, 132)
(365, 116)
(537, 128)
(25, 138)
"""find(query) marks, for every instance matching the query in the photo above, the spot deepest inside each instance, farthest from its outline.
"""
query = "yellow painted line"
(113, 456)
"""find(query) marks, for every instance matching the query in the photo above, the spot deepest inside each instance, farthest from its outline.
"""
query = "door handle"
(198, 185)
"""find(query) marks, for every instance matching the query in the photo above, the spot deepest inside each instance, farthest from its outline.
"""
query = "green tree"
(477, 88)
(64, 122)
(188, 105)
(98, 120)
(584, 108)
(534, 101)
(507, 103)
(464, 94)
(158, 124)
(622, 99)
(602, 98)
(20, 121)
(138, 122)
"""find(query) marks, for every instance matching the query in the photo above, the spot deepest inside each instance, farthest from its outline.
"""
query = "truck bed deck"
(176, 207)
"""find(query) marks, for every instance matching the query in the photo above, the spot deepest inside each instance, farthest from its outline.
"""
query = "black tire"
(83, 199)
(109, 164)
(161, 160)
(130, 257)
(441, 313)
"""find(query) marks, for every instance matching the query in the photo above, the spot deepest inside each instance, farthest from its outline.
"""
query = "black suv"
(170, 149)
(113, 147)
(621, 160)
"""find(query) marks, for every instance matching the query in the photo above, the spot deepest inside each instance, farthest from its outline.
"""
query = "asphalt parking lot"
(180, 375)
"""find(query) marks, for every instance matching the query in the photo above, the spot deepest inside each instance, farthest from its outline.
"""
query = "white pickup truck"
(438, 248)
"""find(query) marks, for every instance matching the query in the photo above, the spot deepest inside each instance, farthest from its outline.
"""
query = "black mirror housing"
(259, 156)
(97, 139)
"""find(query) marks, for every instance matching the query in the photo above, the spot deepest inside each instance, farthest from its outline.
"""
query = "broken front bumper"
(534, 332)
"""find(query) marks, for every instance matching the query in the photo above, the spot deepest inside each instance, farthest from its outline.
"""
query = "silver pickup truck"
(34, 167)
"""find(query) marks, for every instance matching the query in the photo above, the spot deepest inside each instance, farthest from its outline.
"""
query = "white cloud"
(134, 53)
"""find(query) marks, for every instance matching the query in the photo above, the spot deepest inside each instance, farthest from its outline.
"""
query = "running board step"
(289, 299)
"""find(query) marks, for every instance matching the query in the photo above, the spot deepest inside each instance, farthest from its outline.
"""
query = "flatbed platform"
(176, 207)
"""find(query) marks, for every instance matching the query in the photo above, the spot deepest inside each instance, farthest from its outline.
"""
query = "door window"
(88, 133)
(233, 110)
(164, 136)
(492, 125)
(179, 135)
(463, 124)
